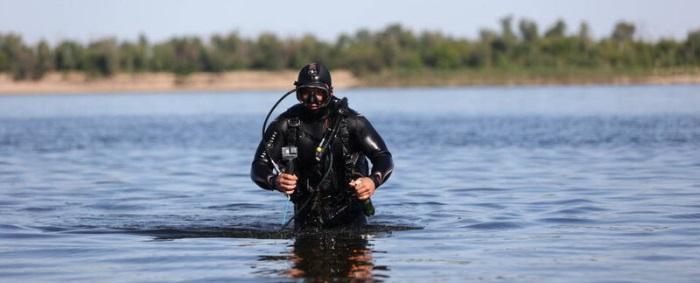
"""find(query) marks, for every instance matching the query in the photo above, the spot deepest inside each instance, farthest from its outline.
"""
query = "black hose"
(273, 109)
(268, 117)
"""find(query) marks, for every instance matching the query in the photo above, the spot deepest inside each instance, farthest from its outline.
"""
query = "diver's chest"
(309, 139)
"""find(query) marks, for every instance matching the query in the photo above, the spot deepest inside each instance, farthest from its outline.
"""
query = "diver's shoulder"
(280, 122)
(355, 119)
(294, 111)
(352, 112)
(341, 105)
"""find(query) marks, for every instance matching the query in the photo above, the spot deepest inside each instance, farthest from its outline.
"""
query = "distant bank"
(68, 83)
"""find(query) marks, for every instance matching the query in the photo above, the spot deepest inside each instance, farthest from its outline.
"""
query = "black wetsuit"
(332, 203)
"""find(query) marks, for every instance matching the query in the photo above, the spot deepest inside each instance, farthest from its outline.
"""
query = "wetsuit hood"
(314, 76)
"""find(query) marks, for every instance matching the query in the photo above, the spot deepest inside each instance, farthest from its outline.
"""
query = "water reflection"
(318, 256)
(328, 257)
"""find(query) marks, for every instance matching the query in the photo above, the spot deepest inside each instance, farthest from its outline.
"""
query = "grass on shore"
(530, 76)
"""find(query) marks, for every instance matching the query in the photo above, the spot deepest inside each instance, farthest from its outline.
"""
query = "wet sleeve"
(373, 146)
(261, 171)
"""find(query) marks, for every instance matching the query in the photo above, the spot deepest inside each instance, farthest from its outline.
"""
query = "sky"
(87, 20)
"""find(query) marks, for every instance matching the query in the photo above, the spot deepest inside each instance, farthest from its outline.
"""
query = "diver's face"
(312, 98)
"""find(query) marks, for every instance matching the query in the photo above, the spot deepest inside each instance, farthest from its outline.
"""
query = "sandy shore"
(62, 83)
(525, 77)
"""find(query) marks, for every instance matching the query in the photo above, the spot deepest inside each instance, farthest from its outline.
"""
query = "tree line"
(513, 46)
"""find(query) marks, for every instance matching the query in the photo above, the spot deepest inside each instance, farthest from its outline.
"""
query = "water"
(497, 184)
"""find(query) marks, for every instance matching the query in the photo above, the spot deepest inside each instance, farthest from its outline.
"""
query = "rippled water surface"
(526, 184)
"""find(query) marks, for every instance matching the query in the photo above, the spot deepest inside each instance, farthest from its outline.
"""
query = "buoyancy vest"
(330, 200)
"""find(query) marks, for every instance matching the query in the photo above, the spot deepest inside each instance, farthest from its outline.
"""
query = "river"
(492, 184)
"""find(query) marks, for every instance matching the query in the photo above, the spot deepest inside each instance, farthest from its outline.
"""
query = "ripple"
(693, 216)
(10, 227)
(183, 173)
(423, 203)
(488, 205)
(662, 258)
(24, 236)
(234, 175)
(112, 206)
(643, 212)
(461, 192)
(110, 182)
(581, 210)
(39, 209)
(563, 202)
(479, 189)
(211, 232)
(496, 225)
(565, 220)
(237, 206)
(251, 232)
(50, 228)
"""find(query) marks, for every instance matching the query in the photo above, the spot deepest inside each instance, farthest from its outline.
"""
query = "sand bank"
(61, 83)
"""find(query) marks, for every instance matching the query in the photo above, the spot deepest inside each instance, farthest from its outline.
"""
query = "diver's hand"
(286, 183)
(364, 187)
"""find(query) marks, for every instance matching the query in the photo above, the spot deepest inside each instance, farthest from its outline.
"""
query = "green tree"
(360, 53)
(133, 57)
(526, 53)
(163, 57)
(507, 33)
(391, 49)
(188, 54)
(305, 50)
(667, 53)
(20, 59)
(587, 54)
(102, 57)
(232, 50)
(584, 33)
(44, 60)
(268, 53)
(528, 30)
(398, 48)
(68, 56)
(24, 64)
(504, 45)
(212, 60)
(624, 31)
(692, 47)
(558, 30)
(11, 46)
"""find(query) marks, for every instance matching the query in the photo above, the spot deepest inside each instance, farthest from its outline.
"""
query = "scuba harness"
(324, 156)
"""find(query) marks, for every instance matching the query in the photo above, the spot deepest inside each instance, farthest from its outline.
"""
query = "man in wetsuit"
(331, 184)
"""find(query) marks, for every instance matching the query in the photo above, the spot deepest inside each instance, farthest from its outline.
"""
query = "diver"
(316, 152)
